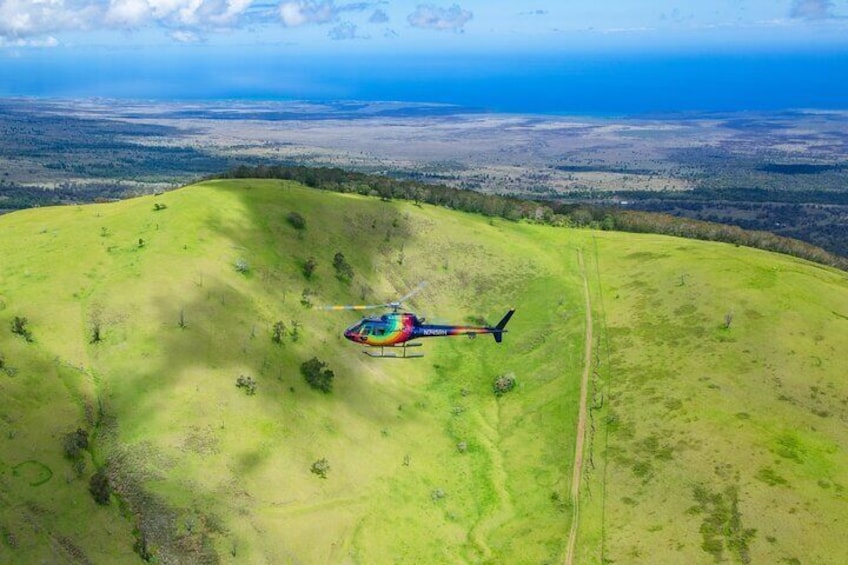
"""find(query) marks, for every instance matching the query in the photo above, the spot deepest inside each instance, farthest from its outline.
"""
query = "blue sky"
(340, 49)
(467, 25)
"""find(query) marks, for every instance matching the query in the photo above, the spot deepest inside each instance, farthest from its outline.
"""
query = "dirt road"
(581, 419)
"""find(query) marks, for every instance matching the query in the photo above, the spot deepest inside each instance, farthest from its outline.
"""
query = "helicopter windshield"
(367, 327)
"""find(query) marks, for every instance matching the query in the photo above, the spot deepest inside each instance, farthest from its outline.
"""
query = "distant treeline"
(559, 214)
(17, 197)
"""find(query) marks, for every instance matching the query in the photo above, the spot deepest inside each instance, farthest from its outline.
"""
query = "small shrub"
(158, 206)
(437, 494)
(316, 375)
(320, 468)
(96, 333)
(503, 384)
(296, 221)
(141, 548)
(247, 384)
(241, 265)
(306, 298)
(279, 332)
(309, 267)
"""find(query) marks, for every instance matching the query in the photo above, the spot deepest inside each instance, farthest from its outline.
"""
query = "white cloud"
(302, 12)
(811, 9)
(28, 18)
(38, 18)
(429, 16)
(128, 13)
(197, 13)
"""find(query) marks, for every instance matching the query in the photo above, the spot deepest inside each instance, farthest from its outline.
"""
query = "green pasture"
(706, 442)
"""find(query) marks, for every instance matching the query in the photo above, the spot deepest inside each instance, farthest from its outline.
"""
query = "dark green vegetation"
(706, 440)
(316, 375)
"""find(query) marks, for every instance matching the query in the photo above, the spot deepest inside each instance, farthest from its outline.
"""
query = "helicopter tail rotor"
(501, 327)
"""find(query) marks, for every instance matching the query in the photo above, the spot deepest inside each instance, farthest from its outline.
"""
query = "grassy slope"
(718, 435)
(691, 405)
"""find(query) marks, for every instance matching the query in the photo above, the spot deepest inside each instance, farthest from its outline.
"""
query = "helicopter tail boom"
(500, 328)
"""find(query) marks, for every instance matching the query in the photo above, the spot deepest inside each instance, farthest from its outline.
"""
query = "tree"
(343, 269)
(316, 375)
(246, 383)
(100, 488)
(19, 327)
(320, 468)
(75, 442)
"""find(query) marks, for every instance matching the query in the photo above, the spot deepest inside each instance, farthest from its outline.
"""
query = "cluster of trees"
(247, 384)
(573, 215)
(317, 375)
(340, 180)
(75, 446)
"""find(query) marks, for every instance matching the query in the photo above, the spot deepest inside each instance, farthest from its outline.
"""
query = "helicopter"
(397, 329)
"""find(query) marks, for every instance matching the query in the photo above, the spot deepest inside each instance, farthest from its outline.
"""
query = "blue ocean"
(563, 83)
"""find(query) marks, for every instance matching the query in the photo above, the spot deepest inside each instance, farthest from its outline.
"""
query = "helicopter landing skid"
(383, 354)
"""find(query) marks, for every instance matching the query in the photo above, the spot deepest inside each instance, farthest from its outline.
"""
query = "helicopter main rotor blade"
(411, 293)
(396, 304)
(354, 307)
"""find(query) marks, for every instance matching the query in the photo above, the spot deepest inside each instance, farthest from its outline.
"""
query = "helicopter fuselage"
(396, 328)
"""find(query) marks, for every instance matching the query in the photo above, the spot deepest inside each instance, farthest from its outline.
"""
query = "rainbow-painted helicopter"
(397, 329)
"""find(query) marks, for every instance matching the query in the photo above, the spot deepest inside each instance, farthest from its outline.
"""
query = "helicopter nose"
(349, 335)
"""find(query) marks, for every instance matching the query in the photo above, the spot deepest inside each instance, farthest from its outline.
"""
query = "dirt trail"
(581, 419)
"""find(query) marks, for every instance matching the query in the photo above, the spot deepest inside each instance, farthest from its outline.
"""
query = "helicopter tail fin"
(500, 328)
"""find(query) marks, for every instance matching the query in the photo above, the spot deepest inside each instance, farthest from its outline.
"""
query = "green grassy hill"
(704, 442)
